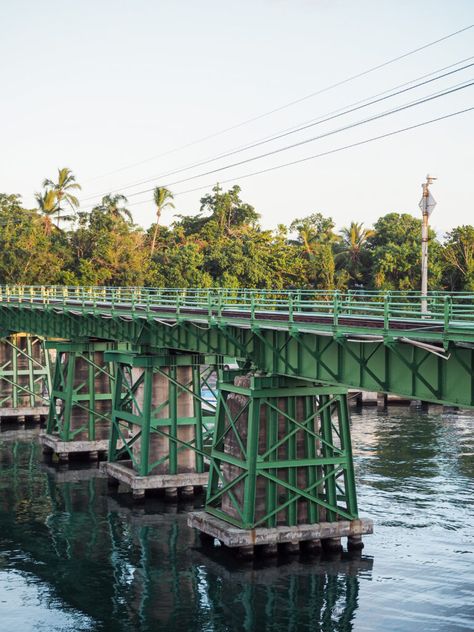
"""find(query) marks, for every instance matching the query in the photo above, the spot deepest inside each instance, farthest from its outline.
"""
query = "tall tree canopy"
(353, 254)
(60, 193)
(222, 244)
(459, 257)
(163, 199)
(395, 248)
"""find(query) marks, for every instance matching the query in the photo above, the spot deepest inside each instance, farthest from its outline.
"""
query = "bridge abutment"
(281, 466)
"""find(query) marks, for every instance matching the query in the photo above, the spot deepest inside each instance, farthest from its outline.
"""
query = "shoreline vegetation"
(221, 245)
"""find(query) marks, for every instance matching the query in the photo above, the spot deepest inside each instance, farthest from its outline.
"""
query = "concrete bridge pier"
(81, 401)
(24, 378)
(160, 427)
(281, 471)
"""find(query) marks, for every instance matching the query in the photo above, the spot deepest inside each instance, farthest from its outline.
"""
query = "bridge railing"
(450, 308)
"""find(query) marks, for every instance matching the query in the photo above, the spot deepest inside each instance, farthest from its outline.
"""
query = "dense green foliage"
(222, 245)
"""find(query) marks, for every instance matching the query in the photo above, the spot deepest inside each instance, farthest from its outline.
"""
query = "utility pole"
(427, 204)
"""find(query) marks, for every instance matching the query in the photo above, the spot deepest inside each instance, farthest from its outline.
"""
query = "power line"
(373, 96)
(289, 104)
(309, 140)
(285, 133)
(320, 155)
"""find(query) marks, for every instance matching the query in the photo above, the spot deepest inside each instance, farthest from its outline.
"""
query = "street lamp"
(427, 204)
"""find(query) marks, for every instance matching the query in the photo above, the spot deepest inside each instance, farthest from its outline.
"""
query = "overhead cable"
(282, 134)
(288, 104)
(315, 138)
(320, 155)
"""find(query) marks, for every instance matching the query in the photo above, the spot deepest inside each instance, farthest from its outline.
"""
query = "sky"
(115, 89)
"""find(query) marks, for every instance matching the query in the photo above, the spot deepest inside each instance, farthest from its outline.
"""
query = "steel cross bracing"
(370, 340)
(281, 454)
(24, 374)
(137, 419)
(81, 394)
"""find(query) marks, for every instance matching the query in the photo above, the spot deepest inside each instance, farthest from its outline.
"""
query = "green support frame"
(24, 372)
(73, 398)
(281, 454)
(134, 374)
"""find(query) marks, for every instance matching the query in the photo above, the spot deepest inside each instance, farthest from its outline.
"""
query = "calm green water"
(73, 557)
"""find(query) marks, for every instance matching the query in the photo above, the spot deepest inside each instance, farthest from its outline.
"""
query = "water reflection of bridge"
(145, 567)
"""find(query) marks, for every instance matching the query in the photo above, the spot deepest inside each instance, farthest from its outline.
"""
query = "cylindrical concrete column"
(175, 399)
(103, 386)
(6, 387)
(86, 374)
(236, 403)
(30, 358)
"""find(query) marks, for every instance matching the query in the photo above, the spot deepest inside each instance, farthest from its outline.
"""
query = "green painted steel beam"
(24, 372)
(133, 410)
(164, 359)
(261, 329)
(73, 411)
(270, 461)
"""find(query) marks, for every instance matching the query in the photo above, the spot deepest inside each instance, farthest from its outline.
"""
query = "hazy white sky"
(99, 85)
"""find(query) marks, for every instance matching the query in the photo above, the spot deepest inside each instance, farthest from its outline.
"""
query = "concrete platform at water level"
(234, 537)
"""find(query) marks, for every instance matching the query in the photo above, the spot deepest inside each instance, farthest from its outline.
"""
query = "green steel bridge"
(367, 340)
(278, 450)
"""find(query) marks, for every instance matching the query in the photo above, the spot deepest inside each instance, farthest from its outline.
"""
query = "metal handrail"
(449, 308)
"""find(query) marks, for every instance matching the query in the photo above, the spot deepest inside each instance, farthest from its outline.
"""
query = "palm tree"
(47, 206)
(162, 197)
(354, 241)
(110, 205)
(315, 231)
(66, 183)
(354, 238)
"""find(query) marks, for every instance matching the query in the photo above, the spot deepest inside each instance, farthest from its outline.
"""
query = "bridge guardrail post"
(336, 308)
(386, 311)
(209, 305)
(290, 309)
(112, 303)
(349, 301)
(448, 308)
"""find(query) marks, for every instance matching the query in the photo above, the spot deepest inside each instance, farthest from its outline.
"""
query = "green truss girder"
(70, 398)
(280, 445)
(134, 371)
(386, 358)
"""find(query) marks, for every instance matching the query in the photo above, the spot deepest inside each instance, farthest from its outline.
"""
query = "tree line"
(220, 245)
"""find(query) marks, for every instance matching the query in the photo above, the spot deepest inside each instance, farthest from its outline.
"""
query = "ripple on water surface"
(73, 557)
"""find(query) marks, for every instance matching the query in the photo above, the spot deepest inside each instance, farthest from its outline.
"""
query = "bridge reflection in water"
(109, 566)
(145, 569)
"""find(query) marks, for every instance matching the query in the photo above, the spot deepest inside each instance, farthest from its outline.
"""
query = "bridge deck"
(375, 341)
(447, 316)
